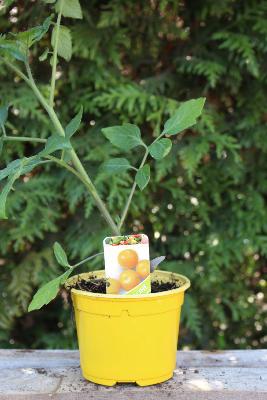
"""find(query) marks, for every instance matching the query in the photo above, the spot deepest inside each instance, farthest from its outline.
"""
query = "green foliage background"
(205, 208)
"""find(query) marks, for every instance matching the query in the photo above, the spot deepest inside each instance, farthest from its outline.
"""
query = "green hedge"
(205, 207)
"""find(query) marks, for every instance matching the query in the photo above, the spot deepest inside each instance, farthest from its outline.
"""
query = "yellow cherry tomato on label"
(143, 268)
(113, 286)
(129, 279)
(128, 258)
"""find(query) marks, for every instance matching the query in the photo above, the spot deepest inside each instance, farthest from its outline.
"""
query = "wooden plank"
(70, 358)
(125, 395)
(55, 374)
(234, 358)
(39, 358)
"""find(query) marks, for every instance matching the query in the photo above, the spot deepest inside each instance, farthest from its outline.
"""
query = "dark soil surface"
(157, 286)
(92, 284)
(97, 285)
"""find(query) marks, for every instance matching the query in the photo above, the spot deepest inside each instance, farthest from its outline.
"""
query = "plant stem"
(54, 65)
(75, 159)
(82, 173)
(62, 163)
(2, 126)
(157, 138)
(129, 200)
(92, 189)
(77, 163)
(15, 69)
(23, 139)
(104, 211)
(50, 111)
(87, 259)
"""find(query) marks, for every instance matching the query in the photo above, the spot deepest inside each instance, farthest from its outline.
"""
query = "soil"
(98, 285)
(157, 286)
(95, 285)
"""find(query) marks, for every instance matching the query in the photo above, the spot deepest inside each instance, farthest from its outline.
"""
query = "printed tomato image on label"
(127, 264)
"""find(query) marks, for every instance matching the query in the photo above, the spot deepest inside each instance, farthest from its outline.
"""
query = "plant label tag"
(127, 264)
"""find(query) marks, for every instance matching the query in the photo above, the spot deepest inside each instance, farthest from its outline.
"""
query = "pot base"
(139, 382)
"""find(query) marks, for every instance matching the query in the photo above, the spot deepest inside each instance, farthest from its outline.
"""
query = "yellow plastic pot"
(128, 338)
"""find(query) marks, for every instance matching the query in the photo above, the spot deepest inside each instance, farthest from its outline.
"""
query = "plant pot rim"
(163, 275)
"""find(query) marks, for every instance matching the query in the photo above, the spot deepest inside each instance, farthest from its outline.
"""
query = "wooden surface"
(199, 375)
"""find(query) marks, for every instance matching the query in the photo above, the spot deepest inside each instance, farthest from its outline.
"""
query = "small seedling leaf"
(13, 49)
(64, 42)
(54, 143)
(48, 292)
(30, 163)
(71, 9)
(17, 47)
(11, 168)
(142, 176)
(60, 255)
(185, 117)
(14, 166)
(74, 124)
(125, 137)
(5, 191)
(44, 55)
(160, 149)
(116, 165)
(32, 35)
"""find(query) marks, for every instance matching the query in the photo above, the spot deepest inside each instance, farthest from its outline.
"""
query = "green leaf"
(71, 9)
(34, 34)
(3, 115)
(74, 124)
(48, 292)
(13, 171)
(142, 176)
(7, 188)
(60, 255)
(64, 42)
(54, 143)
(125, 136)
(1, 144)
(17, 47)
(44, 55)
(184, 117)
(11, 168)
(13, 49)
(28, 165)
(160, 149)
(116, 165)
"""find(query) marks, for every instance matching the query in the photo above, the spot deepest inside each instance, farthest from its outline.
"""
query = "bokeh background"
(205, 208)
